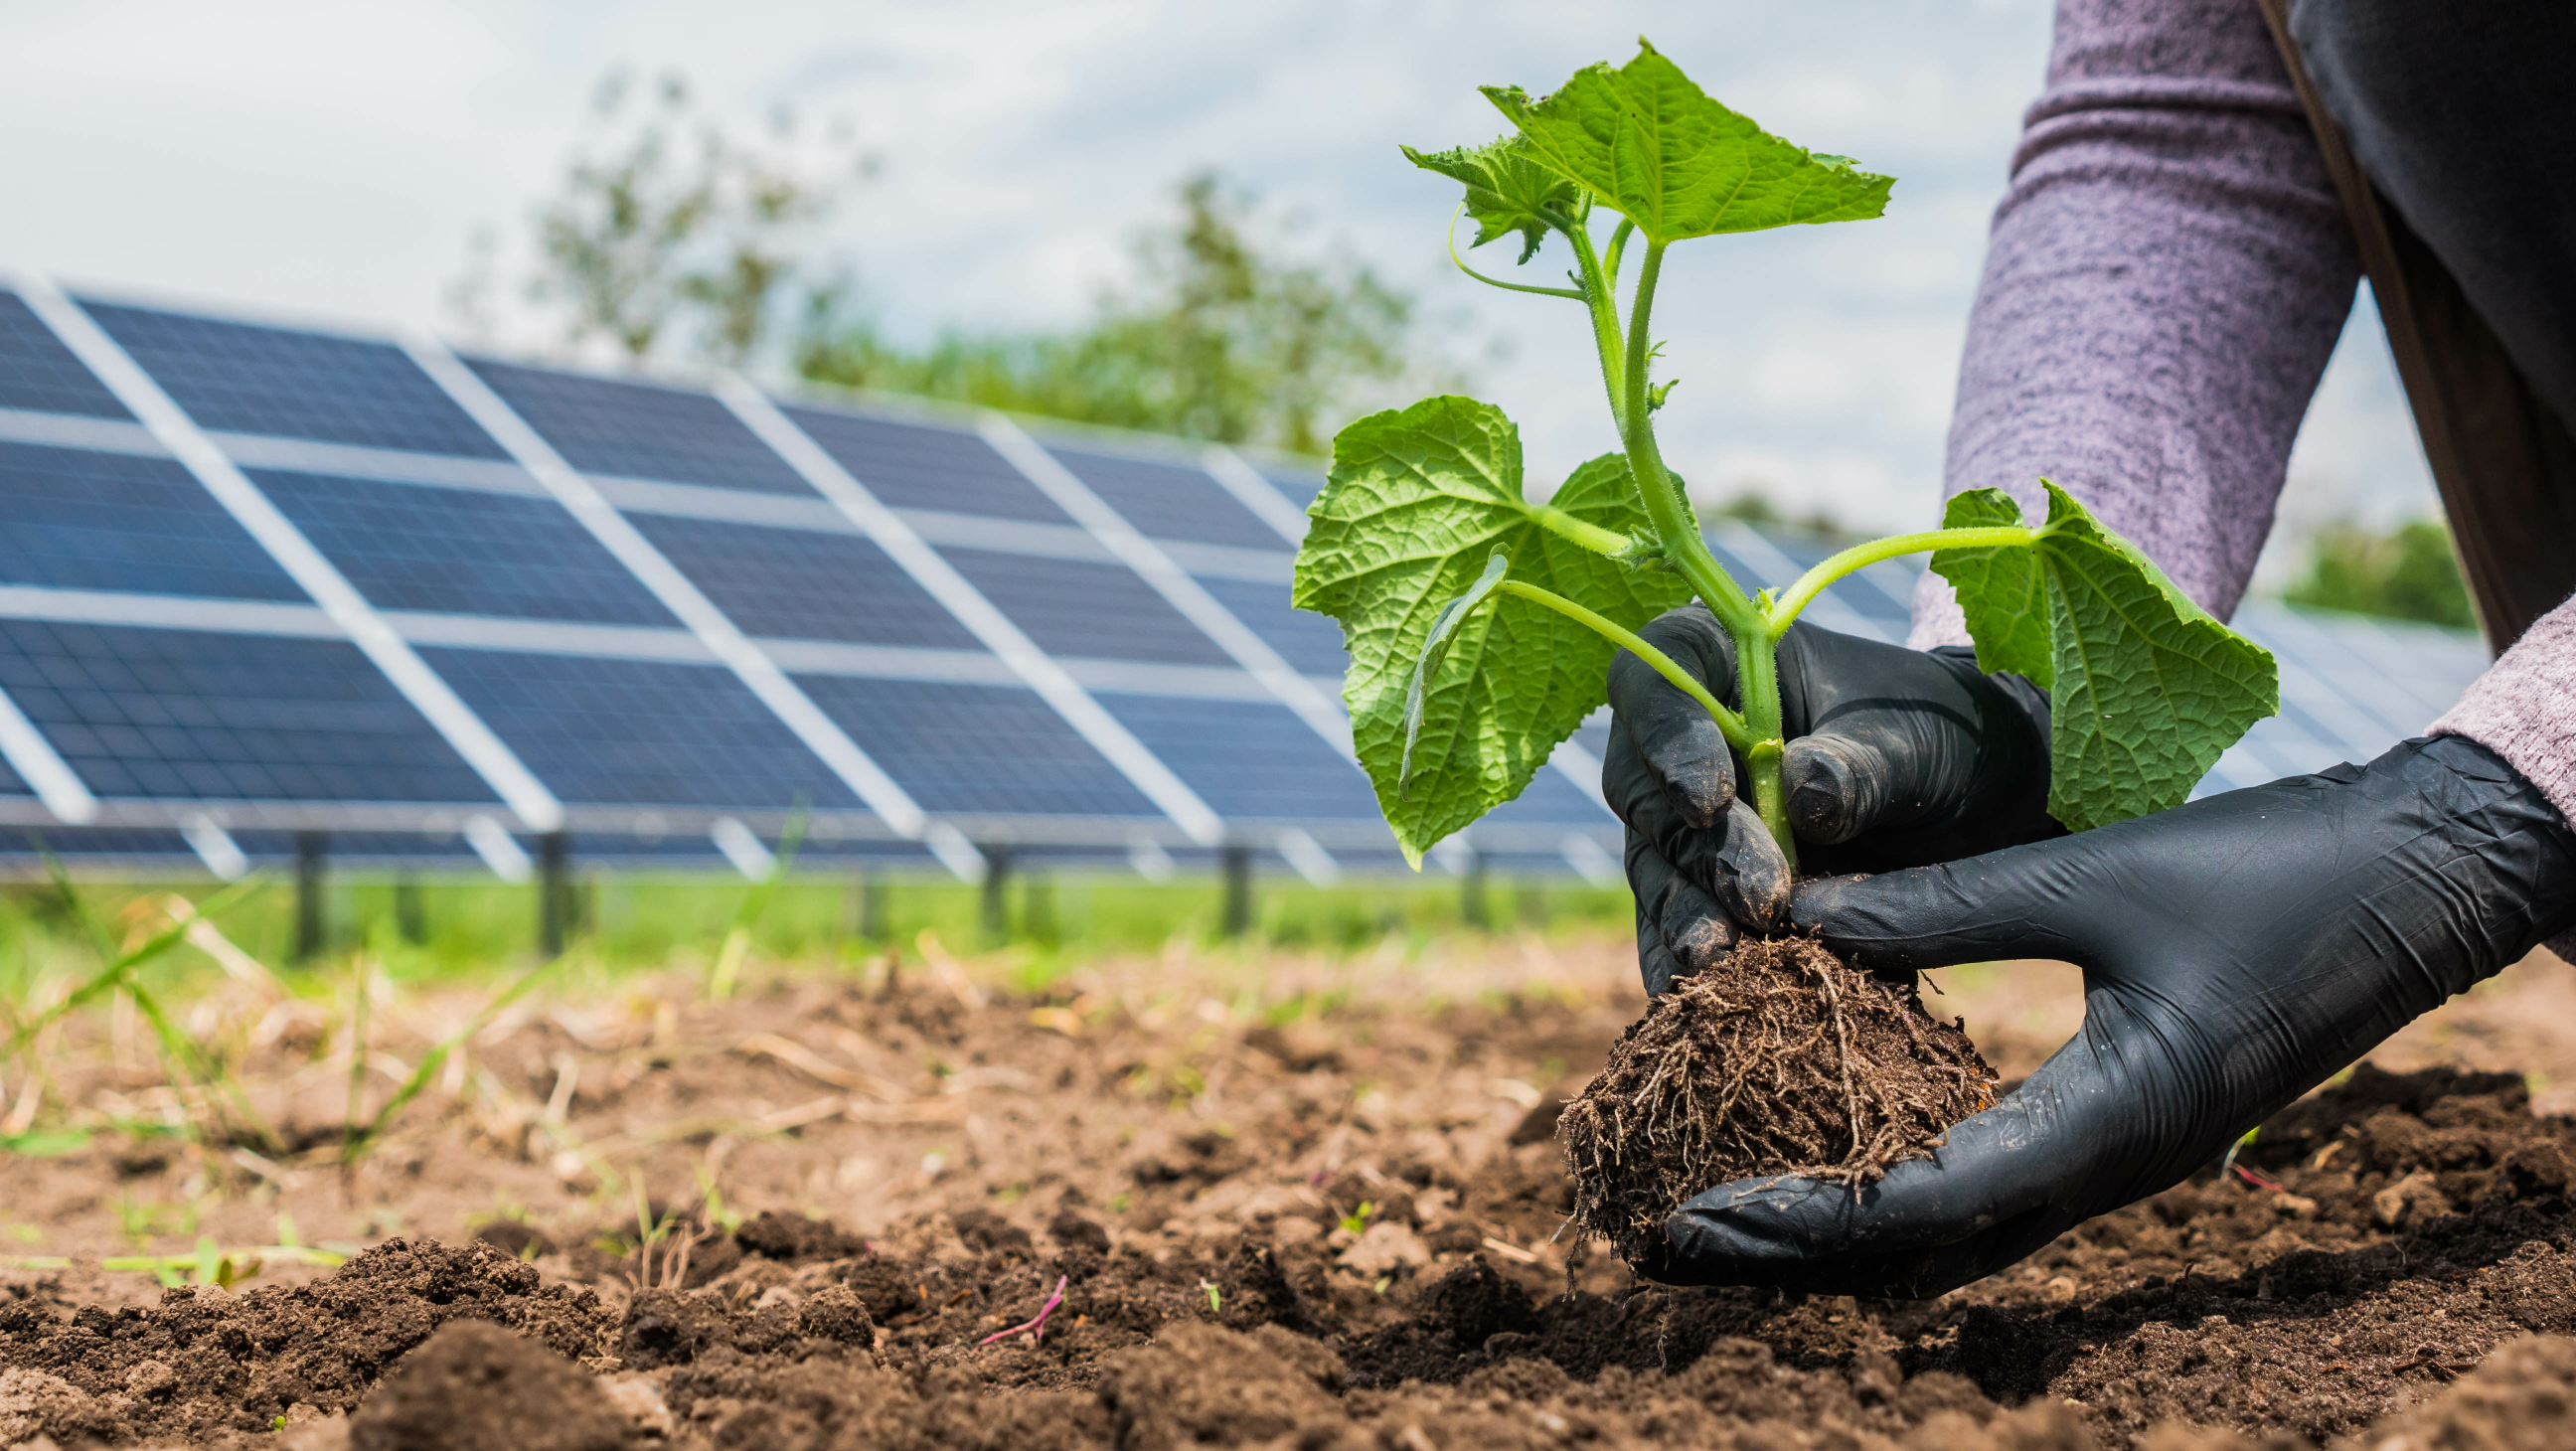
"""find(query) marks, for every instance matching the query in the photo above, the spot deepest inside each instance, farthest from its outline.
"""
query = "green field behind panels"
(470, 928)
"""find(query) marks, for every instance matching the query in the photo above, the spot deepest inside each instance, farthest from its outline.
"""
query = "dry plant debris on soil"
(1779, 1058)
(1317, 1229)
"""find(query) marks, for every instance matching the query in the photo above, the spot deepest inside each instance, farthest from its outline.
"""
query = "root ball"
(1778, 1059)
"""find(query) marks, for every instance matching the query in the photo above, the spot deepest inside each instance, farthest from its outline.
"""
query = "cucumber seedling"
(1481, 625)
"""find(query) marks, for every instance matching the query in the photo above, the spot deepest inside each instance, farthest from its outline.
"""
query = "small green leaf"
(2146, 689)
(1507, 192)
(1435, 648)
(1418, 503)
(1647, 141)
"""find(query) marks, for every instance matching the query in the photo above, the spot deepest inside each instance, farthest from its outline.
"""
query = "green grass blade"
(755, 905)
(122, 965)
(352, 1150)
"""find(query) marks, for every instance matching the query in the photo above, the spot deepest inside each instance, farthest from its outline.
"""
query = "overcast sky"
(331, 160)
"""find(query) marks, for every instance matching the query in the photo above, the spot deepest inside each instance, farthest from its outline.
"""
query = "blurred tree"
(2407, 574)
(671, 236)
(1232, 334)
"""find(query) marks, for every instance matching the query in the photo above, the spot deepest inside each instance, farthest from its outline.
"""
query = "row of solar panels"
(256, 580)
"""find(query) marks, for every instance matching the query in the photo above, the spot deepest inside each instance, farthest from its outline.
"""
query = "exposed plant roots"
(1779, 1059)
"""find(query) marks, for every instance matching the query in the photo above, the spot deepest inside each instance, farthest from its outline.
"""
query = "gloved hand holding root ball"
(2163, 287)
(1482, 627)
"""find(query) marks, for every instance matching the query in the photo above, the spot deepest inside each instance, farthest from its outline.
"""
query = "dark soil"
(1779, 1058)
(1329, 1231)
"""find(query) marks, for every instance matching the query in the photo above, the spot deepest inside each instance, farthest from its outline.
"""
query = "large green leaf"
(2147, 690)
(1649, 142)
(1418, 502)
(1507, 191)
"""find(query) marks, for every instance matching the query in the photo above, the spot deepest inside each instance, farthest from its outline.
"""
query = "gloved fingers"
(1680, 928)
(1736, 864)
(1838, 785)
(1995, 1190)
(2008, 904)
(1679, 752)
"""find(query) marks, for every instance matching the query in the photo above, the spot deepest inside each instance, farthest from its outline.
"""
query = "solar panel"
(415, 547)
(39, 374)
(1168, 501)
(1095, 611)
(1248, 759)
(194, 715)
(797, 585)
(640, 430)
(75, 519)
(979, 750)
(242, 378)
(640, 733)
(163, 653)
(921, 466)
(1310, 643)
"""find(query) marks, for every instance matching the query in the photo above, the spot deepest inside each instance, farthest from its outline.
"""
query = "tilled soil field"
(1279, 1218)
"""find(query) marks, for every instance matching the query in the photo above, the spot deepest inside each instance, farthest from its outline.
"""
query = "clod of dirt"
(1777, 1059)
(794, 1238)
(475, 1385)
(1073, 1231)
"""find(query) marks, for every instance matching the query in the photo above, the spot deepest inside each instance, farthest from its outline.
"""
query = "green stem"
(1861, 556)
(1677, 527)
(1729, 723)
(1565, 526)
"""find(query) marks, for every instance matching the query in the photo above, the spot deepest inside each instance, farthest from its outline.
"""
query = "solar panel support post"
(1473, 909)
(1236, 863)
(997, 893)
(411, 915)
(558, 911)
(312, 925)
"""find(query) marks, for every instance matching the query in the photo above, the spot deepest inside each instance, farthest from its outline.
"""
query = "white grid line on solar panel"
(941, 580)
(446, 713)
(790, 705)
(1256, 492)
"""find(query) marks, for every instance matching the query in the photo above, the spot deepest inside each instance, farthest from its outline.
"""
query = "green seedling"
(356, 1146)
(1481, 625)
(208, 1265)
(1357, 1221)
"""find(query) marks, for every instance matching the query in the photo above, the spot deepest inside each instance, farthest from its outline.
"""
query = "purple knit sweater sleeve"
(2166, 277)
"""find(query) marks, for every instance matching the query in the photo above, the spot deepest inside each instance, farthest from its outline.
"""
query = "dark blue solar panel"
(921, 466)
(640, 733)
(1169, 501)
(10, 785)
(792, 584)
(637, 430)
(192, 714)
(1300, 487)
(71, 519)
(977, 748)
(38, 373)
(1310, 643)
(243, 378)
(1096, 611)
(1247, 758)
(1551, 800)
(409, 547)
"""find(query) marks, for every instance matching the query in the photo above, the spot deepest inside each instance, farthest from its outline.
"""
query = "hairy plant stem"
(1755, 624)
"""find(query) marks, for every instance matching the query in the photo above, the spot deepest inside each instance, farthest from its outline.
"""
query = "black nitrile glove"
(2237, 951)
(1896, 758)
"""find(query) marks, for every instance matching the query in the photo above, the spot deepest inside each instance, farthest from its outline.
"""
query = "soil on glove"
(1324, 1228)
(1780, 1058)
